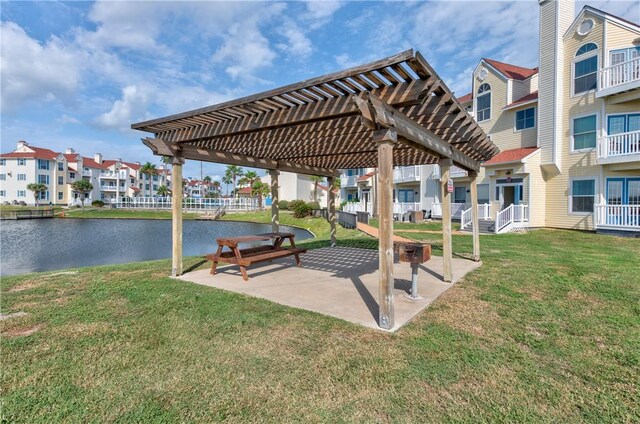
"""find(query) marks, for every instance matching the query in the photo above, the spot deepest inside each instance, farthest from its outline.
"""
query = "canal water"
(54, 244)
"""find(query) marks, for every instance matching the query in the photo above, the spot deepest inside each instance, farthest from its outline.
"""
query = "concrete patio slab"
(338, 281)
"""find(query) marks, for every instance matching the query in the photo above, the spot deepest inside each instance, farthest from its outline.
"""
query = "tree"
(249, 179)
(148, 169)
(83, 187)
(163, 191)
(316, 180)
(234, 172)
(216, 186)
(37, 188)
(260, 189)
(227, 180)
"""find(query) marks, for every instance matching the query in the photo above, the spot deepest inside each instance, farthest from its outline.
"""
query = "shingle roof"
(38, 153)
(90, 163)
(513, 155)
(512, 71)
(365, 177)
(466, 98)
(528, 98)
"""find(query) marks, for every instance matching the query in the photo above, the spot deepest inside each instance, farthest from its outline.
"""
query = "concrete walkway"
(341, 282)
(373, 232)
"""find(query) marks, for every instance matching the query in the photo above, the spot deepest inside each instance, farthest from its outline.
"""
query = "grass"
(547, 330)
(91, 212)
(423, 226)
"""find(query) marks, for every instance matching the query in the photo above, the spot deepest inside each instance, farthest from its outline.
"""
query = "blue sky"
(77, 74)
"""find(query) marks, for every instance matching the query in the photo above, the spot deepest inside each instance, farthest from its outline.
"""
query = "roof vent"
(585, 27)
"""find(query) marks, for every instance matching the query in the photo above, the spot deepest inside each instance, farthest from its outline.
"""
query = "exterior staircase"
(484, 226)
(512, 218)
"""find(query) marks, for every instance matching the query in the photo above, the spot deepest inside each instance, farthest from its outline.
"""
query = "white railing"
(404, 207)
(618, 216)
(619, 144)
(230, 205)
(406, 173)
(111, 188)
(620, 73)
(456, 209)
(512, 214)
(353, 207)
(484, 213)
(113, 174)
(86, 173)
(456, 172)
(348, 180)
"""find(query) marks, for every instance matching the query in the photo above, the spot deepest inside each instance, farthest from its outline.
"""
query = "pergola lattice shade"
(322, 124)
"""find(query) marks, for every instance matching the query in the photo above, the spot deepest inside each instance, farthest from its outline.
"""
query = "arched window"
(585, 71)
(586, 48)
(483, 103)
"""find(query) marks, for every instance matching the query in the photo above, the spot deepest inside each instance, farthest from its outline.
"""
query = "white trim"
(515, 106)
(602, 15)
(570, 191)
(598, 127)
(515, 120)
(580, 58)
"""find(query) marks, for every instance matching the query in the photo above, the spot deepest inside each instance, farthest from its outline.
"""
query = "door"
(623, 201)
(508, 196)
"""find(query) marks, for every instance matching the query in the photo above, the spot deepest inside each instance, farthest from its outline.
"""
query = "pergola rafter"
(393, 112)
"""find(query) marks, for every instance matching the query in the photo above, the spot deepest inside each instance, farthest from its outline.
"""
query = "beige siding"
(619, 37)
(537, 192)
(504, 134)
(547, 79)
(498, 97)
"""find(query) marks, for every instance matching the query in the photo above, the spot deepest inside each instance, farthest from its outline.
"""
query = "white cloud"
(133, 106)
(34, 71)
(66, 119)
(298, 45)
(319, 12)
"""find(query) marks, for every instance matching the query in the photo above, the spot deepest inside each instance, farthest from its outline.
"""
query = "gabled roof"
(244, 190)
(366, 176)
(509, 156)
(90, 163)
(36, 153)
(604, 15)
(511, 71)
(466, 98)
(529, 98)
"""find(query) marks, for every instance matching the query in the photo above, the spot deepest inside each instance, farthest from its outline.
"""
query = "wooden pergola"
(392, 112)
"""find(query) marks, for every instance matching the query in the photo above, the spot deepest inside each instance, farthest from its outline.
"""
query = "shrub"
(295, 203)
(97, 203)
(283, 205)
(302, 210)
(342, 204)
(314, 205)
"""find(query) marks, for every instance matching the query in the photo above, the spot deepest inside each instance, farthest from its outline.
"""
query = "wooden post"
(445, 167)
(275, 198)
(474, 216)
(331, 210)
(176, 216)
(385, 140)
(374, 200)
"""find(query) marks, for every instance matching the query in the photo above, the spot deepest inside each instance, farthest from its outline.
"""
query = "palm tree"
(83, 187)
(216, 186)
(227, 180)
(249, 179)
(148, 169)
(234, 172)
(316, 180)
(163, 191)
(37, 188)
(260, 189)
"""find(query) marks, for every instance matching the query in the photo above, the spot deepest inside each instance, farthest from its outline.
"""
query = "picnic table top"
(249, 239)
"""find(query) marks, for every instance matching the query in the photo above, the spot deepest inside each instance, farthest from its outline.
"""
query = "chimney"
(555, 18)
(97, 158)
(21, 143)
(69, 151)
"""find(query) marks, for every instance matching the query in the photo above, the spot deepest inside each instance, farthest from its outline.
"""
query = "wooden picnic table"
(247, 256)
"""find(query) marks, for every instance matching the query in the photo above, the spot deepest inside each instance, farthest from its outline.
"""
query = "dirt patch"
(26, 285)
(18, 332)
(577, 295)
(86, 329)
(13, 315)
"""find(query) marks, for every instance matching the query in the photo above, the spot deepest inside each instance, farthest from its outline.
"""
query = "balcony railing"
(456, 172)
(620, 217)
(348, 180)
(111, 188)
(618, 145)
(620, 74)
(456, 210)
(113, 174)
(406, 173)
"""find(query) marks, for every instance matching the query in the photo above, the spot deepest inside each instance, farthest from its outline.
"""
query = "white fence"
(511, 215)
(484, 213)
(230, 205)
(406, 173)
(620, 73)
(619, 144)
(398, 207)
(626, 217)
(456, 210)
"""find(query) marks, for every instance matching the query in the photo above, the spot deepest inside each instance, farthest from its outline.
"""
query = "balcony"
(86, 173)
(111, 188)
(348, 181)
(404, 174)
(619, 148)
(114, 175)
(456, 172)
(617, 217)
(619, 78)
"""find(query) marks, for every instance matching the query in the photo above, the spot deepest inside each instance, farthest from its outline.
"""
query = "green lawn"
(547, 330)
(91, 212)
(423, 226)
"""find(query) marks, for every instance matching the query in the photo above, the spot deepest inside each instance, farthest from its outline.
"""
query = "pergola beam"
(165, 148)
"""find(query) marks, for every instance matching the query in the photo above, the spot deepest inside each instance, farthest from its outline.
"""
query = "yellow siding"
(619, 37)
(498, 97)
(538, 194)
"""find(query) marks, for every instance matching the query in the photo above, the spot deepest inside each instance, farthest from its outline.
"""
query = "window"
(483, 103)
(3, 161)
(146, 187)
(43, 164)
(583, 193)
(585, 71)
(60, 166)
(3, 177)
(155, 187)
(44, 195)
(43, 179)
(3, 193)
(22, 162)
(459, 195)
(584, 132)
(525, 118)
(22, 193)
(60, 195)
(72, 175)
(155, 178)
(22, 177)
(60, 180)
(406, 196)
(483, 194)
(617, 124)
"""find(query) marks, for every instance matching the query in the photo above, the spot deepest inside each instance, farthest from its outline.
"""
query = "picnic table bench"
(247, 256)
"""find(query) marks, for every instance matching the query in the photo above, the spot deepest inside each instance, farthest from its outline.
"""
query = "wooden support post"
(275, 198)
(176, 216)
(331, 210)
(385, 140)
(445, 167)
(474, 216)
